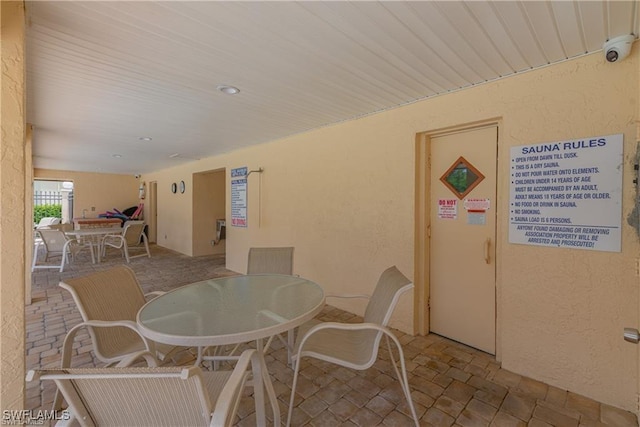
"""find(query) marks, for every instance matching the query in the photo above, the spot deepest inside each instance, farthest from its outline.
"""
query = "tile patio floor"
(452, 384)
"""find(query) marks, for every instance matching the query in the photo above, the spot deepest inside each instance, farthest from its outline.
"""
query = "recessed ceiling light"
(174, 155)
(229, 90)
(117, 156)
(145, 138)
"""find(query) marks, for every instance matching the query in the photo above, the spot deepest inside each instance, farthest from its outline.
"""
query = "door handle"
(631, 335)
(487, 248)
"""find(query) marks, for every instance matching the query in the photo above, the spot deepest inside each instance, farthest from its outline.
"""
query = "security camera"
(137, 175)
(617, 48)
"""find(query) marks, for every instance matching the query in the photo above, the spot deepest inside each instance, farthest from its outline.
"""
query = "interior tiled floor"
(452, 384)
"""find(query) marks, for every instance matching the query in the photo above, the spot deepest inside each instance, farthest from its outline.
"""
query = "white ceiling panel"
(440, 40)
(621, 18)
(520, 31)
(541, 18)
(491, 22)
(460, 19)
(101, 74)
(570, 28)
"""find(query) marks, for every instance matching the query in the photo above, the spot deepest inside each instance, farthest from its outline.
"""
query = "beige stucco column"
(28, 209)
(12, 206)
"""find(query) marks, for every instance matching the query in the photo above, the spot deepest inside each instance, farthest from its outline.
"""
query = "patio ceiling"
(102, 76)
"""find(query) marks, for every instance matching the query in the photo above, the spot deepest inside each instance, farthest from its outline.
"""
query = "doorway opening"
(209, 207)
(52, 198)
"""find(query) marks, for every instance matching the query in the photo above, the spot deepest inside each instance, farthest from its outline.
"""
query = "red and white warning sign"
(476, 205)
(448, 208)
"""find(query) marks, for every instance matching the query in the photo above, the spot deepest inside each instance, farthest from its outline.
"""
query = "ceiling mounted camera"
(618, 48)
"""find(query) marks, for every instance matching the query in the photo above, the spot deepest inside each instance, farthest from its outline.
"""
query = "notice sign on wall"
(567, 194)
(239, 197)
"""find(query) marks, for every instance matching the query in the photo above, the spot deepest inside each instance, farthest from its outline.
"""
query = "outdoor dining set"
(66, 241)
(188, 356)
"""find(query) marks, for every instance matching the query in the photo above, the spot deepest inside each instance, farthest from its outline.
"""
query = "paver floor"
(452, 384)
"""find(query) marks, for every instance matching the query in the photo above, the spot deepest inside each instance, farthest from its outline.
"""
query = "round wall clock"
(174, 188)
(182, 187)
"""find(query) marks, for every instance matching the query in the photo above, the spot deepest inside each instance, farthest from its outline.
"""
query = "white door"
(462, 243)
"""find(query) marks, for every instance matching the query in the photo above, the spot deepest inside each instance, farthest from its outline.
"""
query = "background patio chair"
(269, 260)
(276, 260)
(56, 243)
(108, 302)
(47, 221)
(273, 260)
(59, 226)
(171, 396)
(132, 237)
(355, 345)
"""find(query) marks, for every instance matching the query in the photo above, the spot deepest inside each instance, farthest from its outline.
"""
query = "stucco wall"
(563, 311)
(12, 207)
(101, 191)
(28, 206)
(175, 211)
(344, 197)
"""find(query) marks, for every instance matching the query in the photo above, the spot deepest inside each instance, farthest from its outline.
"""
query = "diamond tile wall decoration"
(461, 177)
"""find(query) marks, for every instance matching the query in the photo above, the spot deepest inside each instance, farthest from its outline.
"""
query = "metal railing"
(49, 198)
(41, 198)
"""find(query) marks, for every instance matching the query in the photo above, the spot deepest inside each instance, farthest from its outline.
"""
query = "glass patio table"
(94, 236)
(231, 310)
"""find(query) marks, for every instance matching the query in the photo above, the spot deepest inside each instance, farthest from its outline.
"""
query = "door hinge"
(428, 231)
(429, 303)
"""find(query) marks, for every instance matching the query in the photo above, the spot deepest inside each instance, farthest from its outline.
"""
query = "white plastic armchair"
(355, 345)
(157, 396)
(132, 237)
(56, 243)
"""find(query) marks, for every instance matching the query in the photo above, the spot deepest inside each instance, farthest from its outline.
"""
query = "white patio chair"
(47, 221)
(56, 243)
(272, 260)
(38, 240)
(156, 396)
(276, 260)
(355, 345)
(108, 302)
(131, 238)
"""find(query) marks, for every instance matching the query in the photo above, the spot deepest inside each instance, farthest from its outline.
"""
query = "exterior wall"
(28, 207)
(175, 211)
(563, 311)
(208, 206)
(344, 197)
(96, 192)
(12, 207)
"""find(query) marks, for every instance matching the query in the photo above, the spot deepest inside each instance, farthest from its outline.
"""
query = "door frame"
(152, 221)
(423, 222)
